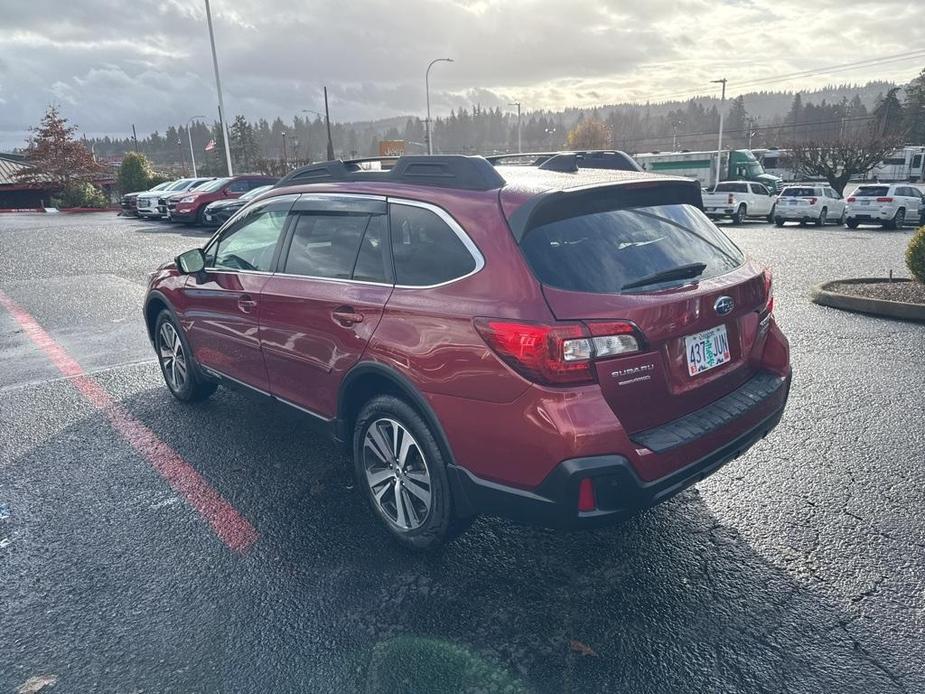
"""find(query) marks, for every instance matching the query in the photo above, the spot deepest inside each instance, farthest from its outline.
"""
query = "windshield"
(871, 191)
(160, 186)
(212, 186)
(754, 170)
(182, 184)
(603, 252)
(799, 193)
(251, 194)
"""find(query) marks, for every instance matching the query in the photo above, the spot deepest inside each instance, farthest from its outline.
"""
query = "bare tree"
(838, 160)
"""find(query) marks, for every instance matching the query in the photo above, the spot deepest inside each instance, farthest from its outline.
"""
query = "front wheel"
(399, 466)
(176, 362)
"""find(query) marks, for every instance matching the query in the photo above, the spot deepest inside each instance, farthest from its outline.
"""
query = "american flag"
(210, 146)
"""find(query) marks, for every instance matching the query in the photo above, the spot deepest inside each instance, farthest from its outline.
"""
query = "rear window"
(799, 193)
(730, 188)
(871, 191)
(603, 252)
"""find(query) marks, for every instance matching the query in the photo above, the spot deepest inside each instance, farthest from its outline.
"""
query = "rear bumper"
(797, 212)
(619, 491)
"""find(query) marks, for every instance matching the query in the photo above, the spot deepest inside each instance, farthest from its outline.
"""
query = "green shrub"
(81, 194)
(915, 255)
(135, 173)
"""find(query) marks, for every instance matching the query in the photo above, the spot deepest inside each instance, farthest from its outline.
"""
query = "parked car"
(889, 205)
(738, 200)
(129, 201)
(220, 211)
(148, 204)
(191, 208)
(562, 348)
(167, 202)
(813, 202)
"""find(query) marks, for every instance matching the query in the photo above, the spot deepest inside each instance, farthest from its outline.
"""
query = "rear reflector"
(586, 500)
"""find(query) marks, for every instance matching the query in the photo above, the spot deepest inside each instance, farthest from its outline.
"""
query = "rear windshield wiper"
(682, 272)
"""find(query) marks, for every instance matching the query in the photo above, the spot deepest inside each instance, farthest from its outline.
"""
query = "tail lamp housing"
(557, 353)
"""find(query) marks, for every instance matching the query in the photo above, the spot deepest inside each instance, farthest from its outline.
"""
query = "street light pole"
(520, 147)
(285, 153)
(189, 134)
(719, 146)
(218, 88)
(430, 144)
(308, 142)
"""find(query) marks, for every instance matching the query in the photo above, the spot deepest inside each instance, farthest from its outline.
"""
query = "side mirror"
(191, 262)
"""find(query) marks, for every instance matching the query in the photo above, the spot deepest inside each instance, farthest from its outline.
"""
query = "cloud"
(111, 65)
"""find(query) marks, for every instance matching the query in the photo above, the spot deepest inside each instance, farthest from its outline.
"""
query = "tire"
(200, 217)
(851, 223)
(823, 217)
(779, 221)
(425, 520)
(739, 215)
(898, 221)
(841, 220)
(185, 384)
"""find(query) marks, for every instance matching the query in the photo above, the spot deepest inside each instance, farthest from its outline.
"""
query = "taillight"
(768, 290)
(557, 354)
(812, 201)
(730, 199)
(852, 199)
(884, 199)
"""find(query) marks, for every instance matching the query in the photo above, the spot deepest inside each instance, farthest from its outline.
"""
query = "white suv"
(886, 204)
(147, 202)
(814, 202)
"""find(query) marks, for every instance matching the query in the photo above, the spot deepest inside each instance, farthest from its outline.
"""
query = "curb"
(79, 210)
(822, 295)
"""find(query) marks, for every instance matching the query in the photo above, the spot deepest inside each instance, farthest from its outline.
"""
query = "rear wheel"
(779, 221)
(898, 221)
(399, 466)
(823, 217)
(739, 215)
(852, 223)
(176, 361)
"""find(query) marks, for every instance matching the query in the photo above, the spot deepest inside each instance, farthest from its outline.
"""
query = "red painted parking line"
(230, 526)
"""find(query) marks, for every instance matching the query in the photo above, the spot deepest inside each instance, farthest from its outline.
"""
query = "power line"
(870, 62)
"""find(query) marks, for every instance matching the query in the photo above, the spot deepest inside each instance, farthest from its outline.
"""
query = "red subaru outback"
(551, 343)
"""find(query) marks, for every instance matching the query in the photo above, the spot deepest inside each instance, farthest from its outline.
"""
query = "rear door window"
(871, 191)
(730, 188)
(603, 252)
(426, 249)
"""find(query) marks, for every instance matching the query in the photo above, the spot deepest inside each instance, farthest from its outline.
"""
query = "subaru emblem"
(724, 305)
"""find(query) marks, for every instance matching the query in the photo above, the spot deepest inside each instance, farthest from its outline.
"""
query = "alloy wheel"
(172, 357)
(397, 474)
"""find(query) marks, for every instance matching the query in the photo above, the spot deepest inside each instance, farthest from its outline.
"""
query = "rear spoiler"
(556, 205)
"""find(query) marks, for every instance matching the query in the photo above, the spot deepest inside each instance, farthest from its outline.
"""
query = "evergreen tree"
(889, 115)
(914, 110)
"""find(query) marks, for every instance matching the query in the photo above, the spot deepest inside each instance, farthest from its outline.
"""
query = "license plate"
(707, 350)
(794, 202)
(865, 202)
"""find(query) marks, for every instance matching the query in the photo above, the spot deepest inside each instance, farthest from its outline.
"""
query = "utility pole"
(134, 137)
(218, 88)
(285, 153)
(189, 134)
(327, 121)
(519, 129)
(674, 136)
(719, 145)
(429, 135)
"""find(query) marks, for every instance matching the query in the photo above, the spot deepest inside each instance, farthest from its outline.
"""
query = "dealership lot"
(148, 545)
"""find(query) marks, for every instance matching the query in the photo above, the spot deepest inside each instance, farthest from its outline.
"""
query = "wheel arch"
(369, 379)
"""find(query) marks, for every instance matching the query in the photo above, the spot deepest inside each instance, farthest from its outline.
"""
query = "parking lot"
(147, 545)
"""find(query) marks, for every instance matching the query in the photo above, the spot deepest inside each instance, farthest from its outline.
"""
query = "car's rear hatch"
(869, 200)
(587, 248)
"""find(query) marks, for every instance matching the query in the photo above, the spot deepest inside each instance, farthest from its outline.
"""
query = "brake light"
(812, 201)
(557, 354)
(768, 290)
(852, 199)
(884, 199)
(730, 199)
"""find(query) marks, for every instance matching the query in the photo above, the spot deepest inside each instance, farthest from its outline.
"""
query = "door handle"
(246, 304)
(345, 315)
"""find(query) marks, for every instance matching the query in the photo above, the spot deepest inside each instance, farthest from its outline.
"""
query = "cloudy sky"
(111, 63)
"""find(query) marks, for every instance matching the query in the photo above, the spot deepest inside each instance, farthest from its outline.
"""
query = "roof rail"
(449, 171)
(571, 161)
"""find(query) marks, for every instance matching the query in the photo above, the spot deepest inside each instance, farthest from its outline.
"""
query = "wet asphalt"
(798, 568)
